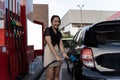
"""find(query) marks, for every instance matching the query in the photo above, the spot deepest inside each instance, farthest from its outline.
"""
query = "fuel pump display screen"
(2, 32)
(34, 35)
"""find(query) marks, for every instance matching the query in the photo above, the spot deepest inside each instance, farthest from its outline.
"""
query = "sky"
(61, 7)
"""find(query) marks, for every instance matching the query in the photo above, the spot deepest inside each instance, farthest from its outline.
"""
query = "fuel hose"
(38, 76)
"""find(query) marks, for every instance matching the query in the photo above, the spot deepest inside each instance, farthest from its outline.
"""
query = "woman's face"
(56, 22)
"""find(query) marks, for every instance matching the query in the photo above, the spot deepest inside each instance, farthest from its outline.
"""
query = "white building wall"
(89, 16)
(74, 30)
(65, 20)
(70, 28)
(67, 28)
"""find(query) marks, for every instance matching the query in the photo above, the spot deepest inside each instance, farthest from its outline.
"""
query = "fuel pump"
(13, 60)
(18, 52)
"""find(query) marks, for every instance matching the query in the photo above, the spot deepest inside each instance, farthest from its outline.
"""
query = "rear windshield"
(108, 36)
(103, 35)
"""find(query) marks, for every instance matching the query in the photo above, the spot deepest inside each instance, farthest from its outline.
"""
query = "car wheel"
(73, 74)
(76, 71)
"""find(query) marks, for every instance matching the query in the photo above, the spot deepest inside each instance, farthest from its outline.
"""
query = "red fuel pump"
(13, 38)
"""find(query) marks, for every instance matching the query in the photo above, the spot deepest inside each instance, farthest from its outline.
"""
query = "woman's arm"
(63, 49)
(48, 41)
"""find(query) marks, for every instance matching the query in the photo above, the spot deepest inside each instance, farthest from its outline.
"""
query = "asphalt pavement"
(64, 74)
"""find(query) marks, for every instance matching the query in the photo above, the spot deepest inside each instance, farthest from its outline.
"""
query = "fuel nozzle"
(73, 58)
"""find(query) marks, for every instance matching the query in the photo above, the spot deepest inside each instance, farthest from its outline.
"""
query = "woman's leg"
(57, 72)
(50, 73)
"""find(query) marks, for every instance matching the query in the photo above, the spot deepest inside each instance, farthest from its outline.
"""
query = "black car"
(97, 49)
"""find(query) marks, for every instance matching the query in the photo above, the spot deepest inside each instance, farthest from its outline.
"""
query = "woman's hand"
(58, 58)
(65, 56)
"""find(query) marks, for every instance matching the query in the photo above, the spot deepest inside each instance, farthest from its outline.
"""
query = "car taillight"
(87, 57)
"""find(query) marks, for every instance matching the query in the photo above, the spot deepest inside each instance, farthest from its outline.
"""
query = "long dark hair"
(54, 17)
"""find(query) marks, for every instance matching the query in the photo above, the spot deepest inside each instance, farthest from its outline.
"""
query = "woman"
(54, 49)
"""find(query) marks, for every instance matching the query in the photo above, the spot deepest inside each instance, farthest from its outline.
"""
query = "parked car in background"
(98, 49)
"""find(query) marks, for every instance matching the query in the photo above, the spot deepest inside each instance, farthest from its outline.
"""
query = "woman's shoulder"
(48, 28)
(47, 31)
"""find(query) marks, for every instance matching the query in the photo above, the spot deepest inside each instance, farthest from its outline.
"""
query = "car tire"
(73, 74)
(76, 71)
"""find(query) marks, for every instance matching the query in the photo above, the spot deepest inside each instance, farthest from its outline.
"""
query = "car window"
(81, 36)
(76, 35)
(103, 35)
(74, 41)
(108, 36)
